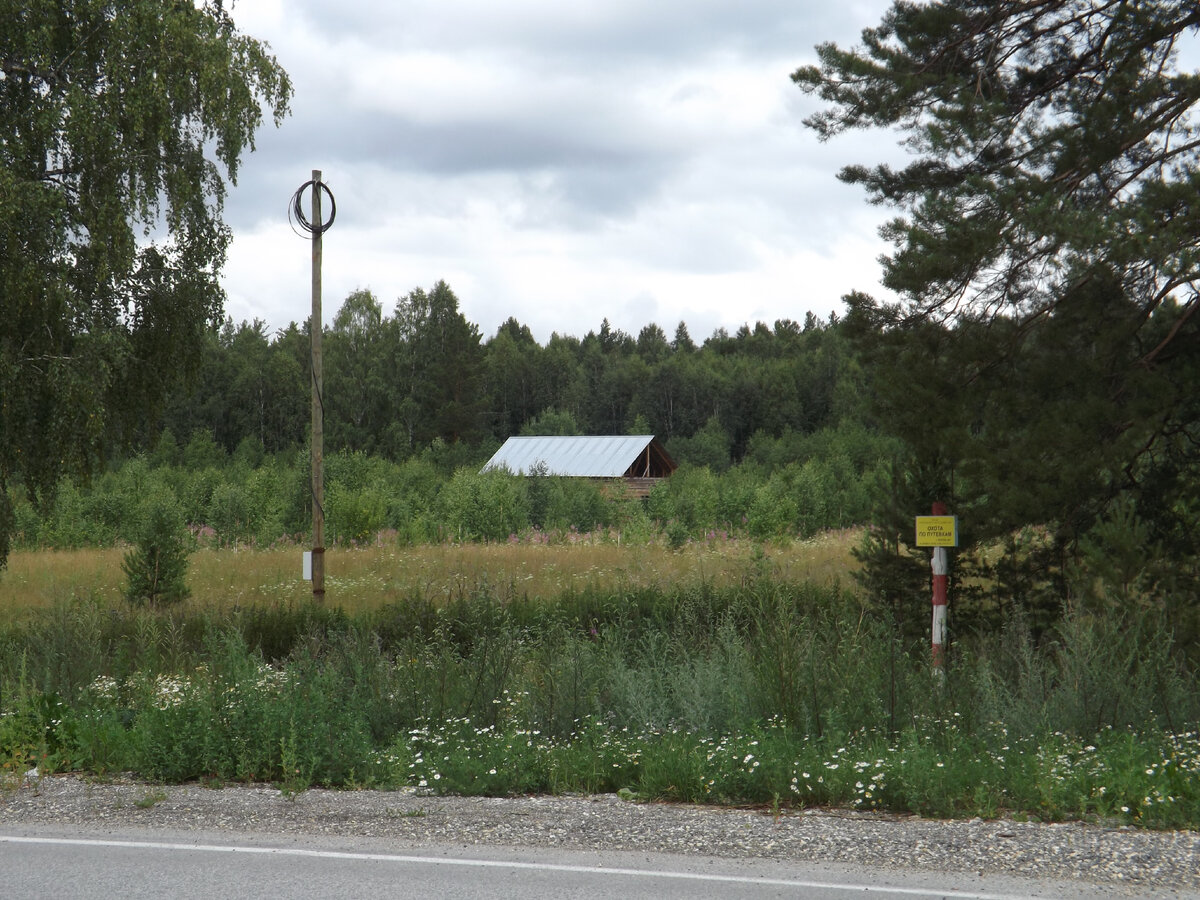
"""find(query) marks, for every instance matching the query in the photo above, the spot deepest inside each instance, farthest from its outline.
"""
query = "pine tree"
(1044, 353)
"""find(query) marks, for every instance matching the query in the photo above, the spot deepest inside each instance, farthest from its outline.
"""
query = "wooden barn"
(638, 461)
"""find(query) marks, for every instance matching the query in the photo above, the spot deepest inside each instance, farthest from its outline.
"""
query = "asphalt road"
(49, 862)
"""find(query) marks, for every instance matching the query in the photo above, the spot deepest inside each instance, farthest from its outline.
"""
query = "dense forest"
(396, 382)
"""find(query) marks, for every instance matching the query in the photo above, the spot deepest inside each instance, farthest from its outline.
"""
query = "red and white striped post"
(941, 575)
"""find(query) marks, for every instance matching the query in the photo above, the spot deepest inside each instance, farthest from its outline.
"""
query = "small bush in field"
(486, 506)
(156, 566)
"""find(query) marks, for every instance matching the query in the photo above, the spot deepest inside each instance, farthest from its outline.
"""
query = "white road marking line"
(498, 864)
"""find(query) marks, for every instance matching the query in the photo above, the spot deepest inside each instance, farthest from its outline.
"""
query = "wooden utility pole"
(318, 403)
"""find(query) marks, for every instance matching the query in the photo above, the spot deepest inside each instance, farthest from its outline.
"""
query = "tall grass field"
(721, 672)
(366, 577)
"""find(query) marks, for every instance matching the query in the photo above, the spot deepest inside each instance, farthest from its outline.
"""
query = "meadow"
(365, 577)
(725, 671)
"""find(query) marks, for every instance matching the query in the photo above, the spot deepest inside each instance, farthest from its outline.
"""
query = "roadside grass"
(724, 672)
(304, 724)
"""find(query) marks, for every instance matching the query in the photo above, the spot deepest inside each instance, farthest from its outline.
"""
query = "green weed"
(759, 692)
(150, 799)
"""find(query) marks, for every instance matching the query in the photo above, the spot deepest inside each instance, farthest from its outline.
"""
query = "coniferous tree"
(156, 566)
(683, 341)
(1044, 350)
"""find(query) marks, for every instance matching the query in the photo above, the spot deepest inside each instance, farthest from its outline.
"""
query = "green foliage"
(421, 501)
(1119, 562)
(584, 506)
(25, 729)
(773, 510)
(707, 447)
(384, 384)
(111, 130)
(555, 502)
(1041, 364)
(242, 472)
(65, 525)
(268, 488)
(354, 515)
(156, 566)
(165, 451)
(249, 453)
(27, 525)
(551, 422)
(689, 497)
(203, 451)
(486, 506)
(766, 693)
(230, 512)
(650, 684)
(356, 374)
(194, 489)
(358, 495)
(242, 721)
(441, 362)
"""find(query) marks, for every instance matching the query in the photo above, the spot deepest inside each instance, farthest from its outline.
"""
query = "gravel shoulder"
(1126, 859)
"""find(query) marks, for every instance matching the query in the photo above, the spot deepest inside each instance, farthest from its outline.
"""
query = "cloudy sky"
(559, 162)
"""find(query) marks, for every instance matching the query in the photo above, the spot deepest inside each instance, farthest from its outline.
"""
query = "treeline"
(393, 383)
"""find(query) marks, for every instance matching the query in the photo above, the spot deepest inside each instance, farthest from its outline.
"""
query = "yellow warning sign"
(937, 531)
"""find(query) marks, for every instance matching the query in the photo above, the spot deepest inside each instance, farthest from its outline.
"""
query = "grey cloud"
(599, 30)
(589, 172)
(601, 155)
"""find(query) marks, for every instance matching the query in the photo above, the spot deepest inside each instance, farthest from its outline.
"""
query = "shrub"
(203, 451)
(485, 506)
(774, 511)
(249, 453)
(230, 513)
(578, 502)
(354, 515)
(67, 523)
(195, 489)
(689, 497)
(707, 448)
(267, 488)
(156, 567)
(26, 520)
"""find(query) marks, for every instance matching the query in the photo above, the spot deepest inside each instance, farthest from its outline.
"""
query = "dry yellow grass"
(367, 577)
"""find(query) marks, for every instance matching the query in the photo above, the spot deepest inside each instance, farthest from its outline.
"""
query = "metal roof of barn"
(581, 457)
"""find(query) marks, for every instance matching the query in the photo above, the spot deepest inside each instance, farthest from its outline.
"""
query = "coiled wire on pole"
(296, 214)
